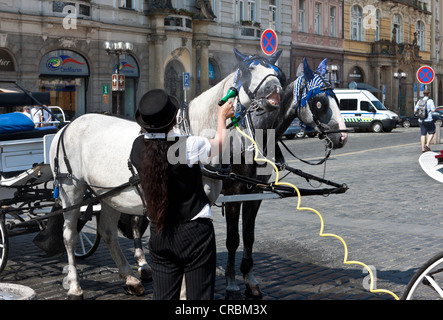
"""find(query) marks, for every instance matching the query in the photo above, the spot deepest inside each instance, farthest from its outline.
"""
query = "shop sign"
(6, 62)
(355, 75)
(128, 66)
(63, 63)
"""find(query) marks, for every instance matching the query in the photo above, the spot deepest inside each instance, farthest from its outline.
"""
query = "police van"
(361, 110)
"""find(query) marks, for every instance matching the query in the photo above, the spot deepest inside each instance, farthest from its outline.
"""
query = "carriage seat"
(17, 126)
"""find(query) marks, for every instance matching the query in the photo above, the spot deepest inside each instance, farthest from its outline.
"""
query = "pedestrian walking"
(424, 108)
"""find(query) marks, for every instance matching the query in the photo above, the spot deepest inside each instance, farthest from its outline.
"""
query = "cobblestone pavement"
(390, 218)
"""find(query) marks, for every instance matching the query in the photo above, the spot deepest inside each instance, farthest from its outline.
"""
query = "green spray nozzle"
(232, 92)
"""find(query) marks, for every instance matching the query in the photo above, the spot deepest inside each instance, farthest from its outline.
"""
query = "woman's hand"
(226, 110)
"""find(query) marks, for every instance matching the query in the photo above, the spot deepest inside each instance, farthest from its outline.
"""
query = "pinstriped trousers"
(186, 248)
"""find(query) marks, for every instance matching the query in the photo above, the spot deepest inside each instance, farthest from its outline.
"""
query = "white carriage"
(26, 189)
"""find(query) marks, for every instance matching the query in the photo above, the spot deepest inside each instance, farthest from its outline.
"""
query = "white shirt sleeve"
(197, 150)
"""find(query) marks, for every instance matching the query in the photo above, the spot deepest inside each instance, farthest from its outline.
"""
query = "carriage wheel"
(4, 245)
(88, 236)
(427, 283)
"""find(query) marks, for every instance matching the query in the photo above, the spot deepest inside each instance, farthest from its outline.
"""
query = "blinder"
(317, 99)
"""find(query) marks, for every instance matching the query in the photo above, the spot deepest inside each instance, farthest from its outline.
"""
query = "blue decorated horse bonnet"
(311, 84)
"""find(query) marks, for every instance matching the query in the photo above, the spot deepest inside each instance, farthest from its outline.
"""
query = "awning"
(365, 86)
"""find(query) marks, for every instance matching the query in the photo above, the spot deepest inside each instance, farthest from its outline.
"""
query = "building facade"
(58, 46)
(385, 43)
(317, 33)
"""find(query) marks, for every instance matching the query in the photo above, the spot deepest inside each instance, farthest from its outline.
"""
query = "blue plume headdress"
(312, 82)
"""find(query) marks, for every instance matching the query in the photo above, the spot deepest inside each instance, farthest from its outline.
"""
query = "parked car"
(412, 121)
(299, 129)
(293, 129)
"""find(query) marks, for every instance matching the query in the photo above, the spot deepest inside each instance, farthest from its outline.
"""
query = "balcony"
(248, 30)
(178, 22)
(416, 4)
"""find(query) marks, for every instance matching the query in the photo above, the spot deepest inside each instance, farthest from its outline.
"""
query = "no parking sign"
(269, 41)
(425, 75)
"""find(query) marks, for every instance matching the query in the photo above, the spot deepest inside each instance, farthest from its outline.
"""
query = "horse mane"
(203, 109)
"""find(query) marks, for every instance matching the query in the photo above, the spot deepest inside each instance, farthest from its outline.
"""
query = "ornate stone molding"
(202, 43)
(68, 42)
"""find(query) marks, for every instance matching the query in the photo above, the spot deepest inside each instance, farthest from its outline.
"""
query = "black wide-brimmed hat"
(156, 111)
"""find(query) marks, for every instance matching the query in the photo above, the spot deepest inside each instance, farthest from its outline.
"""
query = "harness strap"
(65, 158)
(135, 181)
(328, 153)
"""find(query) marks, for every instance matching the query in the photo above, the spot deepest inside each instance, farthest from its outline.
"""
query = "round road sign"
(425, 75)
(269, 41)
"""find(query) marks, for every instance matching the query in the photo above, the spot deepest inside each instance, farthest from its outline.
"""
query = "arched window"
(174, 79)
(356, 23)
(397, 25)
(421, 39)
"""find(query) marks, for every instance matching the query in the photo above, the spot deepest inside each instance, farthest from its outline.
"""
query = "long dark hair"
(154, 174)
(154, 177)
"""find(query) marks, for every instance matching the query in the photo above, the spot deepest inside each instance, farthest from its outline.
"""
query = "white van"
(363, 111)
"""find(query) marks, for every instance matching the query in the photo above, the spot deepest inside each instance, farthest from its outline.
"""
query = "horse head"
(259, 82)
(316, 105)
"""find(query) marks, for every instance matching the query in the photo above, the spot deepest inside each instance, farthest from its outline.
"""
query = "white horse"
(97, 148)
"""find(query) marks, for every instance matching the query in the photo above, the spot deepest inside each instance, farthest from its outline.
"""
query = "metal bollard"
(436, 139)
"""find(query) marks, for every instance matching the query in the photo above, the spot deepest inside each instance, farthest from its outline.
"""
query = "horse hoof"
(134, 290)
(233, 295)
(253, 293)
(75, 297)
(145, 274)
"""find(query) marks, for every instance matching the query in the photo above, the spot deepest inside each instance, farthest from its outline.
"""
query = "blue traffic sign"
(186, 80)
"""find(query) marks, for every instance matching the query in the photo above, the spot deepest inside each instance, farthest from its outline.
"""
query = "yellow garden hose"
(345, 260)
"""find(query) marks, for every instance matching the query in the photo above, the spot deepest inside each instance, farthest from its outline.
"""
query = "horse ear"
(307, 72)
(240, 56)
(274, 57)
(322, 67)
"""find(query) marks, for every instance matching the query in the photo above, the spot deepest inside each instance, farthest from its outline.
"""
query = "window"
(240, 10)
(356, 23)
(214, 7)
(365, 106)
(252, 11)
(332, 22)
(247, 13)
(272, 13)
(301, 15)
(317, 18)
(397, 26)
(421, 40)
(128, 4)
(348, 104)
(377, 25)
